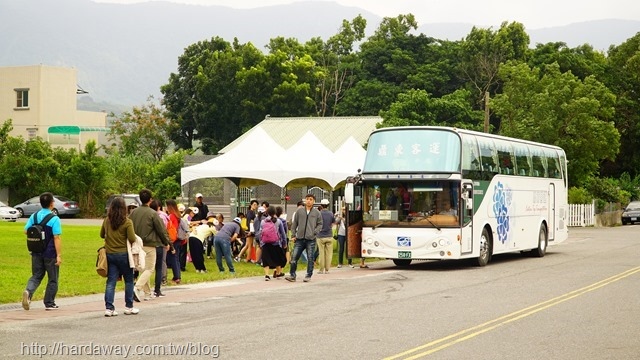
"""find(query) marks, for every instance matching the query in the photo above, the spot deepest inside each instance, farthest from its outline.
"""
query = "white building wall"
(52, 102)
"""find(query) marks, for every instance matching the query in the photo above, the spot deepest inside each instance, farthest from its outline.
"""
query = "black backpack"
(36, 238)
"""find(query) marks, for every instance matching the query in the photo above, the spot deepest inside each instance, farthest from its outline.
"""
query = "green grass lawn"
(77, 272)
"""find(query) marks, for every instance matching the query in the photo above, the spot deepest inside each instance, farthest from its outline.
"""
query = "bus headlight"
(369, 241)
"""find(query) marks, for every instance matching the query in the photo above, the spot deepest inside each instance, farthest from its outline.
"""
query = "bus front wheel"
(542, 243)
(485, 248)
(402, 262)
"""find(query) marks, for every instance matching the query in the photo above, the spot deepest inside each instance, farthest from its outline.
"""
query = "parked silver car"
(62, 206)
(8, 213)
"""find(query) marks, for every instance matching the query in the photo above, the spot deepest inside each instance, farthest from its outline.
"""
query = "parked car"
(129, 199)
(8, 213)
(62, 206)
(631, 213)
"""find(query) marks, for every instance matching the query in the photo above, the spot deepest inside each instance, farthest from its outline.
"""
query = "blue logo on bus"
(501, 200)
(404, 241)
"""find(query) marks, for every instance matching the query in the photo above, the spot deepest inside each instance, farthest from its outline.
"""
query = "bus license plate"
(404, 254)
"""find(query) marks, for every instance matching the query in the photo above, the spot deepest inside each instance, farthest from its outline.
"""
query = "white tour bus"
(438, 193)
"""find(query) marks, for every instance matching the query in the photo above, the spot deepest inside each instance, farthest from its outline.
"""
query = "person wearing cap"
(203, 209)
(305, 227)
(222, 243)
(325, 238)
(196, 242)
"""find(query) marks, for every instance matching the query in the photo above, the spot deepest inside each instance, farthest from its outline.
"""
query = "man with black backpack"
(49, 259)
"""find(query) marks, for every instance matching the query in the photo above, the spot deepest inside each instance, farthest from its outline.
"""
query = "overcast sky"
(533, 14)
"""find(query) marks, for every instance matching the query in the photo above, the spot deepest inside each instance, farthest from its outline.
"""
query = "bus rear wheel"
(402, 262)
(542, 243)
(486, 248)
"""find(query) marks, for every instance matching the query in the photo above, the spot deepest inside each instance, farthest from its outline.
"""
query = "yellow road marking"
(474, 331)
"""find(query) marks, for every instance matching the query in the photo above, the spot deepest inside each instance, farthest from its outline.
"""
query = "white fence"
(582, 215)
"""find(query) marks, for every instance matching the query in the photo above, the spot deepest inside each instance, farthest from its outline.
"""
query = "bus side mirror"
(348, 193)
(469, 203)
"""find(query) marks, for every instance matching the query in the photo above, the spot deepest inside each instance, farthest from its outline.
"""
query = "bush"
(579, 196)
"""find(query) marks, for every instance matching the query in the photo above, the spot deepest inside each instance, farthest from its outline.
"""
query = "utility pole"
(486, 111)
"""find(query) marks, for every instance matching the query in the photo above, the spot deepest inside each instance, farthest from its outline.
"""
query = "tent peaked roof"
(332, 131)
(311, 160)
(347, 160)
(233, 165)
(258, 137)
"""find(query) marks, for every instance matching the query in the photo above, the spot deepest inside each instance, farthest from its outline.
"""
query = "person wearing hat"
(222, 243)
(202, 211)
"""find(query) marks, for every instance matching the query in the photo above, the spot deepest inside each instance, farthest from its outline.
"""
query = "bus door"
(466, 210)
(551, 232)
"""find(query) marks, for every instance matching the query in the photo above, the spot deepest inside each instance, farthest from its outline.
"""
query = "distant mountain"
(124, 53)
(598, 33)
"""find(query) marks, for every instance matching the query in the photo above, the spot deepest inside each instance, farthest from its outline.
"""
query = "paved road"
(578, 302)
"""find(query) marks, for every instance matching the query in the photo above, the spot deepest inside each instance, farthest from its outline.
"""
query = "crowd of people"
(144, 242)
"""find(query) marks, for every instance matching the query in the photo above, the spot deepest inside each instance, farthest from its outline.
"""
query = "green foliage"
(142, 132)
(623, 78)
(579, 196)
(560, 109)
(84, 177)
(166, 174)
(128, 173)
(606, 189)
(417, 107)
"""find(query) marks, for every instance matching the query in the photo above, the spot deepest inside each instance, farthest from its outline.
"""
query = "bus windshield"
(411, 151)
(424, 203)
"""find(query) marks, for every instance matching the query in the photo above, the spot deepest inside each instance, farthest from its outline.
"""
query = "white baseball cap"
(198, 195)
(324, 202)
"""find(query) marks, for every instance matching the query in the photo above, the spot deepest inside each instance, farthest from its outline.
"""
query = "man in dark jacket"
(203, 209)
(151, 229)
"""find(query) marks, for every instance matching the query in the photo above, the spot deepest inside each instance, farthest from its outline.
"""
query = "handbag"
(102, 268)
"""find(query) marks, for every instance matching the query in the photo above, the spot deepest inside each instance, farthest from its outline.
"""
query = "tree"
(481, 54)
(84, 179)
(142, 132)
(623, 78)
(28, 167)
(418, 108)
(394, 60)
(336, 64)
(558, 108)
(166, 174)
(582, 61)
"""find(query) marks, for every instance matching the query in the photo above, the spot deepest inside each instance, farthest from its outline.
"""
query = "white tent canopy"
(307, 162)
(347, 160)
(243, 164)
